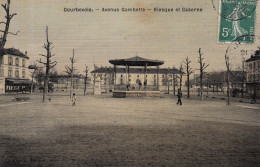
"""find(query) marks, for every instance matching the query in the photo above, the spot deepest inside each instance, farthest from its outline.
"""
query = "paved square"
(105, 131)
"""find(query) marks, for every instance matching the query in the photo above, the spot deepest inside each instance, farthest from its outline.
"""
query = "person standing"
(253, 101)
(179, 97)
(74, 99)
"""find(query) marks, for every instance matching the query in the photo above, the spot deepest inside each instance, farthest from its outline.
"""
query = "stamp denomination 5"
(237, 19)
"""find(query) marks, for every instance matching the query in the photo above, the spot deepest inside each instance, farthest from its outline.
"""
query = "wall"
(5, 66)
(2, 85)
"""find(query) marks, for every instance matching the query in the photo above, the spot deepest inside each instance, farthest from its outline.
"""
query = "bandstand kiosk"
(147, 90)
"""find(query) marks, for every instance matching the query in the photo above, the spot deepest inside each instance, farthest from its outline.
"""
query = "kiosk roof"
(136, 61)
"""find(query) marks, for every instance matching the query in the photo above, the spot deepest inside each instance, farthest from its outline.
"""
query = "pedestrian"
(74, 99)
(253, 101)
(128, 86)
(179, 97)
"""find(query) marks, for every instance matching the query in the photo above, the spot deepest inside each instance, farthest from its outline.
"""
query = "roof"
(136, 61)
(15, 52)
(254, 57)
(136, 70)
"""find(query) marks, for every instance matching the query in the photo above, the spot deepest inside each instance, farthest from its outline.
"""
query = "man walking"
(74, 99)
(179, 97)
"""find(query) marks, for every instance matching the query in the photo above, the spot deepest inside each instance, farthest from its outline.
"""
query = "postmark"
(236, 53)
(236, 20)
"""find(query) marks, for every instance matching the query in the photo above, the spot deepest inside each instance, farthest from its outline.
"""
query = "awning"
(18, 82)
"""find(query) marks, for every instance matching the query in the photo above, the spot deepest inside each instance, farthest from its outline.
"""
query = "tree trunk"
(188, 84)
(228, 88)
(180, 82)
(7, 23)
(71, 85)
(32, 86)
(85, 84)
(85, 88)
(201, 86)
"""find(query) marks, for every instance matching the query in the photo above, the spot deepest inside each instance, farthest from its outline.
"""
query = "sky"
(100, 36)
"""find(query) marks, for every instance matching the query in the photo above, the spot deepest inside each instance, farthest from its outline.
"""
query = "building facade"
(14, 74)
(168, 79)
(253, 74)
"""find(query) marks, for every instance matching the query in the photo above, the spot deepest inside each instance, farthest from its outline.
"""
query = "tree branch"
(41, 62)
(10, 32)
(4, 6)
(13, 33)
(51, 55)
(42, 55)
(55, 63)
(12, 15)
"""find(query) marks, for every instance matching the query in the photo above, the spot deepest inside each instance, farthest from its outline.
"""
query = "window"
(23, 63)
(24, 74)
(10, 60)
(16, 73)
(16, 61)
(10, 71)
(129, 75)
(129, 80)
(2, 72)
(250, 66)
(163, 76)
(250, 78)
(137, 76)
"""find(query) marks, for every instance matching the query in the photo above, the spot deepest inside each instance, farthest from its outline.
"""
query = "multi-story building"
(14, 74)
(253, 74)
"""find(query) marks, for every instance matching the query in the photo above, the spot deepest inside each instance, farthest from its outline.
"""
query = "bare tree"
(181, 75)
(202, 68)
(228, 76)
(189, 71)
(85, 80)
(35, 68)
(8, 18)
(70, 70)
(48, 64)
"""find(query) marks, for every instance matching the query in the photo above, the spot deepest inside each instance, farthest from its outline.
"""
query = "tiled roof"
(16, 52)
(136, 70)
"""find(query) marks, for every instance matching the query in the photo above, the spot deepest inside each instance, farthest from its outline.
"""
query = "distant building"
(14, 74)
(253, 74)
(136, 75)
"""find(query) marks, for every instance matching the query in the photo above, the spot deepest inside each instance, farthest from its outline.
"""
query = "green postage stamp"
(237, 21)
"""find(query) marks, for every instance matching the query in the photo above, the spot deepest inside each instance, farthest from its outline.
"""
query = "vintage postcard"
(129, 83)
